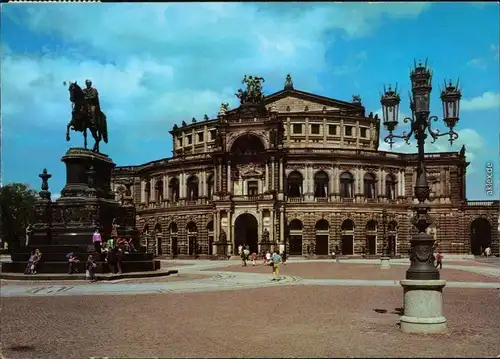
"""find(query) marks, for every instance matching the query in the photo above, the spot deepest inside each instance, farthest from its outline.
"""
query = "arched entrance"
(347, 237)
(295, 229)
(246, 232)
(322, 237)
(480, 231)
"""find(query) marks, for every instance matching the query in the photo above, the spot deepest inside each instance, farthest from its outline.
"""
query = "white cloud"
(164, 63)
(477, 63)
(473, 142)
(487, 100)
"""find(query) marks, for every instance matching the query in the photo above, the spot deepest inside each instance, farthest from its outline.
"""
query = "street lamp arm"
(389, 139)
(436, 134)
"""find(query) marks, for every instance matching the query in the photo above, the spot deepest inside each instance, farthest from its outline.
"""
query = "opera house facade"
(298, 171)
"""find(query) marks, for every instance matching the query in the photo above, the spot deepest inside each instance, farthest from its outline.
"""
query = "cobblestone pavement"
(289, 321)
(220, 278)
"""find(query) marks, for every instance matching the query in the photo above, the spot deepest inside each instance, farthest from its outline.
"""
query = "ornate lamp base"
(423, 307)
(422, 259)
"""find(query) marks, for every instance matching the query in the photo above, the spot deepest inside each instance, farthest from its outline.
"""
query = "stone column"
(331, 182)
(272, 173)
(230, 236)
(272, 234)
(215, 180)
(216, 233)
(380, 190)
(152, 189)
(336, 180)
(229, 177)
(403, 189)
(182, 185)
(267, 177)
(282, 226)
(281, 175)
(143, 191)
(200, 184)
(219, 170)
(165, 186)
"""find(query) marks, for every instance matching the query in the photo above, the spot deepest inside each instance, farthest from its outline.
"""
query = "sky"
(156, 65)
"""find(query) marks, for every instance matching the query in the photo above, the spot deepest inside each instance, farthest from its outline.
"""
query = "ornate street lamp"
(422, 267)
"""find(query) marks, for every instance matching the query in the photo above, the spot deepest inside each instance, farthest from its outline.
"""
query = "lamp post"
(422, 287)
(422, 267)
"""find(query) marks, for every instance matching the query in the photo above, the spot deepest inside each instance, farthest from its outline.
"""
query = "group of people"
(271, 259)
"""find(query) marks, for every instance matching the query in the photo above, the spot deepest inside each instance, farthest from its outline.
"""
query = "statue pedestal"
(385, 263)
(423, 306)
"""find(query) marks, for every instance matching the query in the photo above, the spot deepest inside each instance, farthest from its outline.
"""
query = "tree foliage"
(17, 210)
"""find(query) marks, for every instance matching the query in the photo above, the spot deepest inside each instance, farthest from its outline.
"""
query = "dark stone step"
(82, 256)
(81, 248)
(62, 267)
(81, 276)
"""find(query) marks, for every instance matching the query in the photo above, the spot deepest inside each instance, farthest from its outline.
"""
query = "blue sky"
(158, 64)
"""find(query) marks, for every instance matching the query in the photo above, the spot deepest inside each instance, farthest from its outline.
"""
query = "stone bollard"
(423, 306)
(385, 263)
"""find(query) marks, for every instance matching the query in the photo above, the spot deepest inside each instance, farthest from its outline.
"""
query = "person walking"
(276, 258)
(439, 260)
(254, 259)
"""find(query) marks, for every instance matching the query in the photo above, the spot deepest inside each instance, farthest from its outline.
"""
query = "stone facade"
(305, 172)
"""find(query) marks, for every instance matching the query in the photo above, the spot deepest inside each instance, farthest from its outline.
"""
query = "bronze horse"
(81, 118)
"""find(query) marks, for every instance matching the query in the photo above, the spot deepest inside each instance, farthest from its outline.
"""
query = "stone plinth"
(385, 263)
(423, 306)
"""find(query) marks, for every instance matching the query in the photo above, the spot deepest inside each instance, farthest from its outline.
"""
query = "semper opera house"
(298, 171)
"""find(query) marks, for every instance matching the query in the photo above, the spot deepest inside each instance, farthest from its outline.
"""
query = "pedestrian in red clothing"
(439, 260)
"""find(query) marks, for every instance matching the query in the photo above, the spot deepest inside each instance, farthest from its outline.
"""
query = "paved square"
(232, 311)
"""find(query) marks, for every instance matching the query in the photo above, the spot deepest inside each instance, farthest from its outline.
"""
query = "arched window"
(158, 239)
(174, 250)
(248, 145)
(371, 238)
(369, 185)
(295, 237)
(390, 186)
(159, 190)
(346, 185)
(321, 184)
(392, 237)
(295, 181)
(210, 187)
(192, 188)
(210, 230)
(174, 189)
(192, 234)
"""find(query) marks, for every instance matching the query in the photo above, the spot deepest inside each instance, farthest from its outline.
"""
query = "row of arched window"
(347, 225)
(346, 185)
(192, 188)
(295, 183)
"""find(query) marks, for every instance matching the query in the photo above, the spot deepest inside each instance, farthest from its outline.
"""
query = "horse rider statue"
(87, 114)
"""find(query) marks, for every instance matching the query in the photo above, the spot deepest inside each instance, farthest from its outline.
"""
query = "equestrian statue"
(87, 114)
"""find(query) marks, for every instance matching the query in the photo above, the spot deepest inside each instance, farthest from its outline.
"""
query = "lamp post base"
(423, 307)
(385, 263)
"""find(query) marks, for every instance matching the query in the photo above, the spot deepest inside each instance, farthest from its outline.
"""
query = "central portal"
(246, 232)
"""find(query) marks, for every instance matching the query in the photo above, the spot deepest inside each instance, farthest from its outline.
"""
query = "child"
(90, 268)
